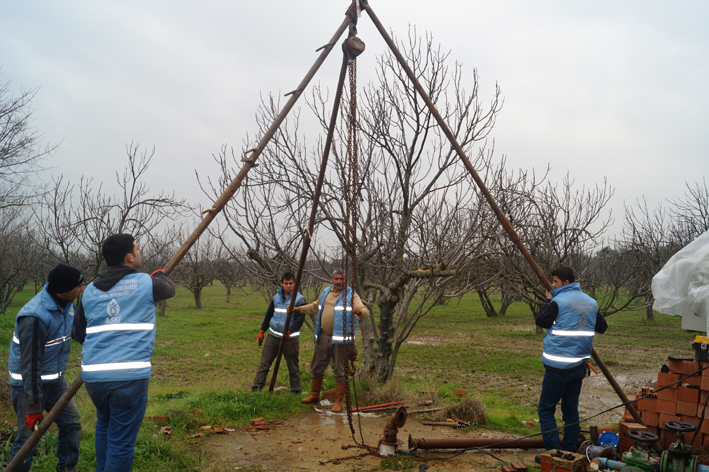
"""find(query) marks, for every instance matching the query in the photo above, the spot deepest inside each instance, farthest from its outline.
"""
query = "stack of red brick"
(683, 401)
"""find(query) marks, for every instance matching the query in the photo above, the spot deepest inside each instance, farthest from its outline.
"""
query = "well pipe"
(422, 443)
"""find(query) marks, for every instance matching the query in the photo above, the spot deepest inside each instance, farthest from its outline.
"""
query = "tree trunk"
(369, 347)
(228, 293)
(486, 303)
(198, 299)
(387, 308)
(160, 307)
(649, 314)
(506, 300)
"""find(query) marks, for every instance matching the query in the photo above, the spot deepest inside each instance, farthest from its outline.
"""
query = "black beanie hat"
(64, 278)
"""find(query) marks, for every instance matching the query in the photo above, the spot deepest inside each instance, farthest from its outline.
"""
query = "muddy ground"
(315, 440)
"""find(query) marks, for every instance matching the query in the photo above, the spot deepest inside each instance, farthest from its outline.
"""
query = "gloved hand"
(33, 418)
(287, 335)
(260, 338)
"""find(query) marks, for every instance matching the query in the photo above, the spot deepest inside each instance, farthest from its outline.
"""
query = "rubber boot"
(340, 389)
(314, 396)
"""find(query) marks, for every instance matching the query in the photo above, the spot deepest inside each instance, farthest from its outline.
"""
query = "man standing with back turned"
(274, 322)
(38, 358)
(572, 319)
(330, 334)
(120, 332)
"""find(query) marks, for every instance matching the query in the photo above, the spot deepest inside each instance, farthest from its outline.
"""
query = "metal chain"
(353, 196)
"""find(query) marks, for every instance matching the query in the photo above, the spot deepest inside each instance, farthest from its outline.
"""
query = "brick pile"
(682, 401)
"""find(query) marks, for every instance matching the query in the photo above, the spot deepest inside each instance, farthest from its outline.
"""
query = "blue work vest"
(570, 340)
(278, 321)
(57, 347)
(338, 334)
(120, 330)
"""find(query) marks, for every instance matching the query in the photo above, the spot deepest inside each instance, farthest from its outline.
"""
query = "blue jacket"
(568, 343)
(120, 330)
(56, 350)
(338, 335)
(278, 320)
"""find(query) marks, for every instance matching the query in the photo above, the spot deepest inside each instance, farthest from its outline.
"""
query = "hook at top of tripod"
(352, 46)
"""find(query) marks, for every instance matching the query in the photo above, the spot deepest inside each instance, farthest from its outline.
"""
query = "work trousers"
(565, 388)
(325, 352)
(68, 423)
(120, 407)
(291, 353)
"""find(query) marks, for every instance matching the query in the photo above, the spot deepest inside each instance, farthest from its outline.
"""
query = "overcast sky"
(602, 89)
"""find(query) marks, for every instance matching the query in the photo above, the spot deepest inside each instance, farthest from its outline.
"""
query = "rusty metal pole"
(256, 152)
(488, 196)
(44, 425)
(210, 215)
(421, 443)
(307, 238)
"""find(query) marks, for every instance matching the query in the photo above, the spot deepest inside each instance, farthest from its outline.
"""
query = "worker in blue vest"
(39, 352)
(572, 319)
(274, 322)
(119, 309)
(336, 302)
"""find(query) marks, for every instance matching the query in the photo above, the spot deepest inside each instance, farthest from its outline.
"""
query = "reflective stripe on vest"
(567, 360)
(280, 335)
(49, 343)
(115, 366)
(44, 377)
(121, 327)
(558, 332)
(340, 308)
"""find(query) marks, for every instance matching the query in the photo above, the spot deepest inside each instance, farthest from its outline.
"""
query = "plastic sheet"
(682, 286)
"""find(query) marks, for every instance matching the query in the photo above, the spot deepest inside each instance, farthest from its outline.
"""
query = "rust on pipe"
(422, 443)
(395, 421)
(44, 425)
(307, 238)
(507, 226)
(251, 161)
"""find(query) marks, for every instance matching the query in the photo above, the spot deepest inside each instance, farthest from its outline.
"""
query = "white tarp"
(682, 286)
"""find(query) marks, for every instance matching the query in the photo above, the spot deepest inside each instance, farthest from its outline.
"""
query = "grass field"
(205, 360)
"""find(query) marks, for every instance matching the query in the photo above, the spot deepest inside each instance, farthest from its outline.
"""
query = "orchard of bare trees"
(426, 236)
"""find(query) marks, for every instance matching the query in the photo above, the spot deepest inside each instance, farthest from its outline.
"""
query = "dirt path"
(305, 442)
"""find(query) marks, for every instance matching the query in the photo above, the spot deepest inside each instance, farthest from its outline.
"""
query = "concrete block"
(647, 404)
(686, 408)
(704, 383)
(665, 378)
(651, 418)
(668, 394)
(687, 394)
(682, 366)
(667, 407)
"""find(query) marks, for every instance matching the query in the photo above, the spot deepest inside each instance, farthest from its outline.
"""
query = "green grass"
(204, 363)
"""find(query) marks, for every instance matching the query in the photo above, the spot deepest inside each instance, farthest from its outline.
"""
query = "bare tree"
(198, 268)
(21, 149)
(559, 223)
(73, 222)
(422, 224)
(690, 213)
(21, 258)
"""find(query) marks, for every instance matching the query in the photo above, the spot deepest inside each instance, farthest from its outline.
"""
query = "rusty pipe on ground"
(395, 421)
(422, 443)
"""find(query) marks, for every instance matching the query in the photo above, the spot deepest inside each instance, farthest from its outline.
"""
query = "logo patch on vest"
(113, 309)
(71, 311)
